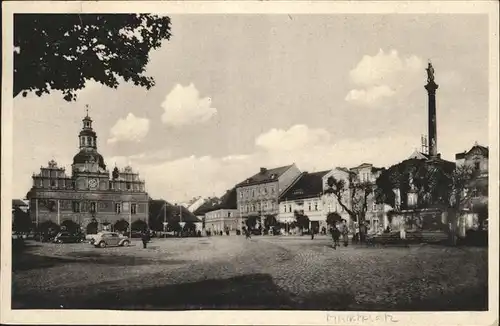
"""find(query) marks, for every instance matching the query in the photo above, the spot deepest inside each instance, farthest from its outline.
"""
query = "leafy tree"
(21, 221)
(301, 220)
(63, 51)
(70, 226)
(431, 181)
(251, 222)
(270, 221)
(333, 218)
(92, 227)
(438, 184)
(139, 225)
(121, 225)
(48, 226)
(352, 196)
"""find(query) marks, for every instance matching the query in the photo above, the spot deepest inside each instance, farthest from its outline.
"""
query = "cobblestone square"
(265, 272)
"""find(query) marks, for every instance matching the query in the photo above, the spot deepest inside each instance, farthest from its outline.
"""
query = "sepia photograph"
(249, 160)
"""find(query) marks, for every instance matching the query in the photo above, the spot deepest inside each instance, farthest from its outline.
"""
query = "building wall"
(58, 206)
(261, 198)
(220, 219)
(312, 207)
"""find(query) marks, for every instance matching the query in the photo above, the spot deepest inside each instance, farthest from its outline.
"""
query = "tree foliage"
(121, 225)
(351, 195)
(92, 227)
(21, 221)
(63, 51)
(270, 221)
(139, 225)
(437, 184)
(333, 218)
(70, 226)
(301, 219)
(432, 182)
(47, 226)
(251, 222)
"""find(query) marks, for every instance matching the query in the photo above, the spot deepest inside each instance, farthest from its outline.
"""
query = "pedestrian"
(402, 232)
(312, 233)
(345, 232)
(362, 232)
(335, 235)
(145, 239)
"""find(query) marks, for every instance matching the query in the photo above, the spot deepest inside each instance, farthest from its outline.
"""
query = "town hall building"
(90, 194)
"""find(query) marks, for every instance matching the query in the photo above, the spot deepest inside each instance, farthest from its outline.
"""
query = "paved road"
(264, 272)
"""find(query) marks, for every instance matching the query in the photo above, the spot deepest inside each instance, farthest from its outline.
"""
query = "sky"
(238, 92)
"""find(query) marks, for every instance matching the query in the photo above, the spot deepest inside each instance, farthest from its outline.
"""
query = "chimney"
(263, 170)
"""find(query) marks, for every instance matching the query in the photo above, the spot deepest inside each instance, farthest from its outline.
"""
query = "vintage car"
(67, 237)
(105, 239)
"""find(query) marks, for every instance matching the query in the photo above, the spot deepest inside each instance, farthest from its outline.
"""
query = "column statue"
(430, 73)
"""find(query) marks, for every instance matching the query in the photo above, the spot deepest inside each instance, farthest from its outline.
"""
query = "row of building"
(285, 191)
(93, 194)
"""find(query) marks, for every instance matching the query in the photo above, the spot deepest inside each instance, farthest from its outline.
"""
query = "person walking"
(335, 235)
(345, 232)
(362, 232)
(312, 233)
(402, 231)
(145, 239)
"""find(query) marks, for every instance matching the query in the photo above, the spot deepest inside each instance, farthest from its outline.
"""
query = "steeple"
(87, 136)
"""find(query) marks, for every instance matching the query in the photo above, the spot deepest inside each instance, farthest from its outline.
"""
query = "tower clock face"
(93, 183)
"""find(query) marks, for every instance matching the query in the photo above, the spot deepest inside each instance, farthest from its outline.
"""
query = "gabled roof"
(419, 155)
(265, 175)
(227, 201)
(173, 213)
(209, 205)
(18, 203)
(363, 165)
(308, 185)
(476, 148)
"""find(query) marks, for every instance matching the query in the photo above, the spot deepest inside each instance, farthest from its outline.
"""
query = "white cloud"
(370, 94)
(295, 138)
(183, 106)
(383, 76)
(131, 129)
(182, 178)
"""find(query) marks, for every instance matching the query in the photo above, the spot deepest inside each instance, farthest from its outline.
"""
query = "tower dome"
(85, 156)
(88, 146)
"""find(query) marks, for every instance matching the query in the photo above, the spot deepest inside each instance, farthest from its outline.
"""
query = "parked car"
(104, 239)
(67, 237)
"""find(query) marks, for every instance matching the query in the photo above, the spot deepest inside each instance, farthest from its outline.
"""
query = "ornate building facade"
(89, 194)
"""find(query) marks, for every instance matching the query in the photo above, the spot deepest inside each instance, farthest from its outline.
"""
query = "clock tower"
(89, 197)
(89, 169)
